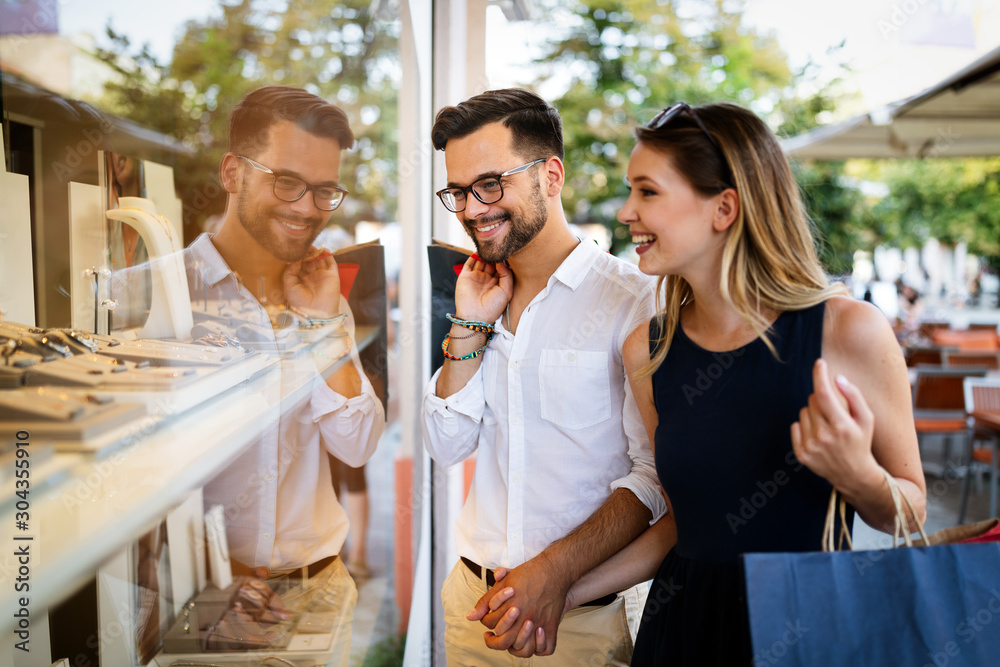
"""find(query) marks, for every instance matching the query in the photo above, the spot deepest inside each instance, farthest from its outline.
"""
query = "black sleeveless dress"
(724, 456)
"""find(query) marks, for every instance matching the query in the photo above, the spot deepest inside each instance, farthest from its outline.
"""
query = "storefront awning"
(958, 117)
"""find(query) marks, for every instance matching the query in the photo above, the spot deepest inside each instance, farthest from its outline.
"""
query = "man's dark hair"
(251, 119)
(535, 126)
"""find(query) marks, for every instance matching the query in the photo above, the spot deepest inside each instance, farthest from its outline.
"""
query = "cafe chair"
(987, 360)
(966, 340)
(931, 356)
(939, 407)
(981, 394)
(928, 328)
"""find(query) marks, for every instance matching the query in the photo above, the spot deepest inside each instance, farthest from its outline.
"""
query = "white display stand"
(17, 294)
(88, 263)
(185, 544)
(170, 309)
(160, 190)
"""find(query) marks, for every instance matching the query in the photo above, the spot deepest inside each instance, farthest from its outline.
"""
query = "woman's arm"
(860, 415)
(634, 564)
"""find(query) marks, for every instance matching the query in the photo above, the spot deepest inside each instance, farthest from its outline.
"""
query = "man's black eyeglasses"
(488, 190)
(291, 188)
(668, 114)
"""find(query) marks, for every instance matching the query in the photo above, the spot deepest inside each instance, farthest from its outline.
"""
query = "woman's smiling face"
(670, 222)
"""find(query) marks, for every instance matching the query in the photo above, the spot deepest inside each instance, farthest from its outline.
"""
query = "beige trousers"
(588, 636)
(329, 597)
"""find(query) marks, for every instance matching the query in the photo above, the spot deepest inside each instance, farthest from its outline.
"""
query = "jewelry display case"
(118, 439)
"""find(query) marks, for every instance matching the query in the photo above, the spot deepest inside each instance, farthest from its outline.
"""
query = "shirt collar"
(204, 253)
(575, 267)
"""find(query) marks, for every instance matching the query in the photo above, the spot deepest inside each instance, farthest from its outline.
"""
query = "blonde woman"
(761, 384)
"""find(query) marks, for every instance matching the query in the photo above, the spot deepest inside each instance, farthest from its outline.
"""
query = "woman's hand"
(833, 436)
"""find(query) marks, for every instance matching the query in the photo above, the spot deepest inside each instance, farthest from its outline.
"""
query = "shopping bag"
(445, 262)
(987, 530)
(362, 283)
(935, 606)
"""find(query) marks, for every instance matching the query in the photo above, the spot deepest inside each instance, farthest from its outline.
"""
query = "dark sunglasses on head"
(671, 112)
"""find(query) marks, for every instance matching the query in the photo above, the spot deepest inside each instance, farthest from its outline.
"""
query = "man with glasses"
(282, 176)
(533, 384)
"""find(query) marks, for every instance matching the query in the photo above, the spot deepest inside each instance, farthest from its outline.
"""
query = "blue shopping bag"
(936, 606)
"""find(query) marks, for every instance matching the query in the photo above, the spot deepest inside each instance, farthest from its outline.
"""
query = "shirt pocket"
(575, 387)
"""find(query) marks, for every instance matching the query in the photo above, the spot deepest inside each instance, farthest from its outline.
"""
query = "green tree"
(627, 59)
(334, 48)
(951, 200)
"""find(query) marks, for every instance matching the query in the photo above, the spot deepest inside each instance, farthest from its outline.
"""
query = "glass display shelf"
(85, 506)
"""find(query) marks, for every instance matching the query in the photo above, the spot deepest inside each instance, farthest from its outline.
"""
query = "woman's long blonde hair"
(769, 260)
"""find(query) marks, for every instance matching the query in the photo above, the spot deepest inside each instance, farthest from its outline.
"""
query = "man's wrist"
(314, 317)
(554, 570)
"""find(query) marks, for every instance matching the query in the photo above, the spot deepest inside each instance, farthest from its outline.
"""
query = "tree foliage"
(334, 48)
(627, 59)
(951, 200)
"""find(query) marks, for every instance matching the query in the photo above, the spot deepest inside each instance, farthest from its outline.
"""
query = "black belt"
(491, 580)
(311, 570)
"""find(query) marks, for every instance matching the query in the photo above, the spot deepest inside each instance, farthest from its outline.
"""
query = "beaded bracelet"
(307, 321)
(475, 325)
(471, 355)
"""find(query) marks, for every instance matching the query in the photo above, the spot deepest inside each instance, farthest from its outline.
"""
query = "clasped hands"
(524, 612)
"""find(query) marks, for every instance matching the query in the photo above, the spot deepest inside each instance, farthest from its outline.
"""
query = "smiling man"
(533, 383)
(282, 173)
(282, 176)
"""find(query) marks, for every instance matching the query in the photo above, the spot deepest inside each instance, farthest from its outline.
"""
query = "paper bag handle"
(899, 521)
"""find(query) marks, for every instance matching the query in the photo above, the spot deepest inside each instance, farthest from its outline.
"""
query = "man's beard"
(521, 230)
(256, 220)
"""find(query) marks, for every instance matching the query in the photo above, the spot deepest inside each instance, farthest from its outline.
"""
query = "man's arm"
(453, 401)
(349, 413)
(542, 583)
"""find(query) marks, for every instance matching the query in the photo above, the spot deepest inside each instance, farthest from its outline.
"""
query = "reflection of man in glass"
(282, 175)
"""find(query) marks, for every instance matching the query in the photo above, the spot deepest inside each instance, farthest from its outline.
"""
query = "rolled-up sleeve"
(451, 425)
(642, 480)
(349, 427)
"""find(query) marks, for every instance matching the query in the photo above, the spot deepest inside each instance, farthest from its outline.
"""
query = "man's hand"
(534, 602)
(313, 285)
(483, 290)
(529, 638)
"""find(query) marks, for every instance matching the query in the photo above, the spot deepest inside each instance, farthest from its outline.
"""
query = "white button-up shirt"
(551, 414)
(280, 506)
